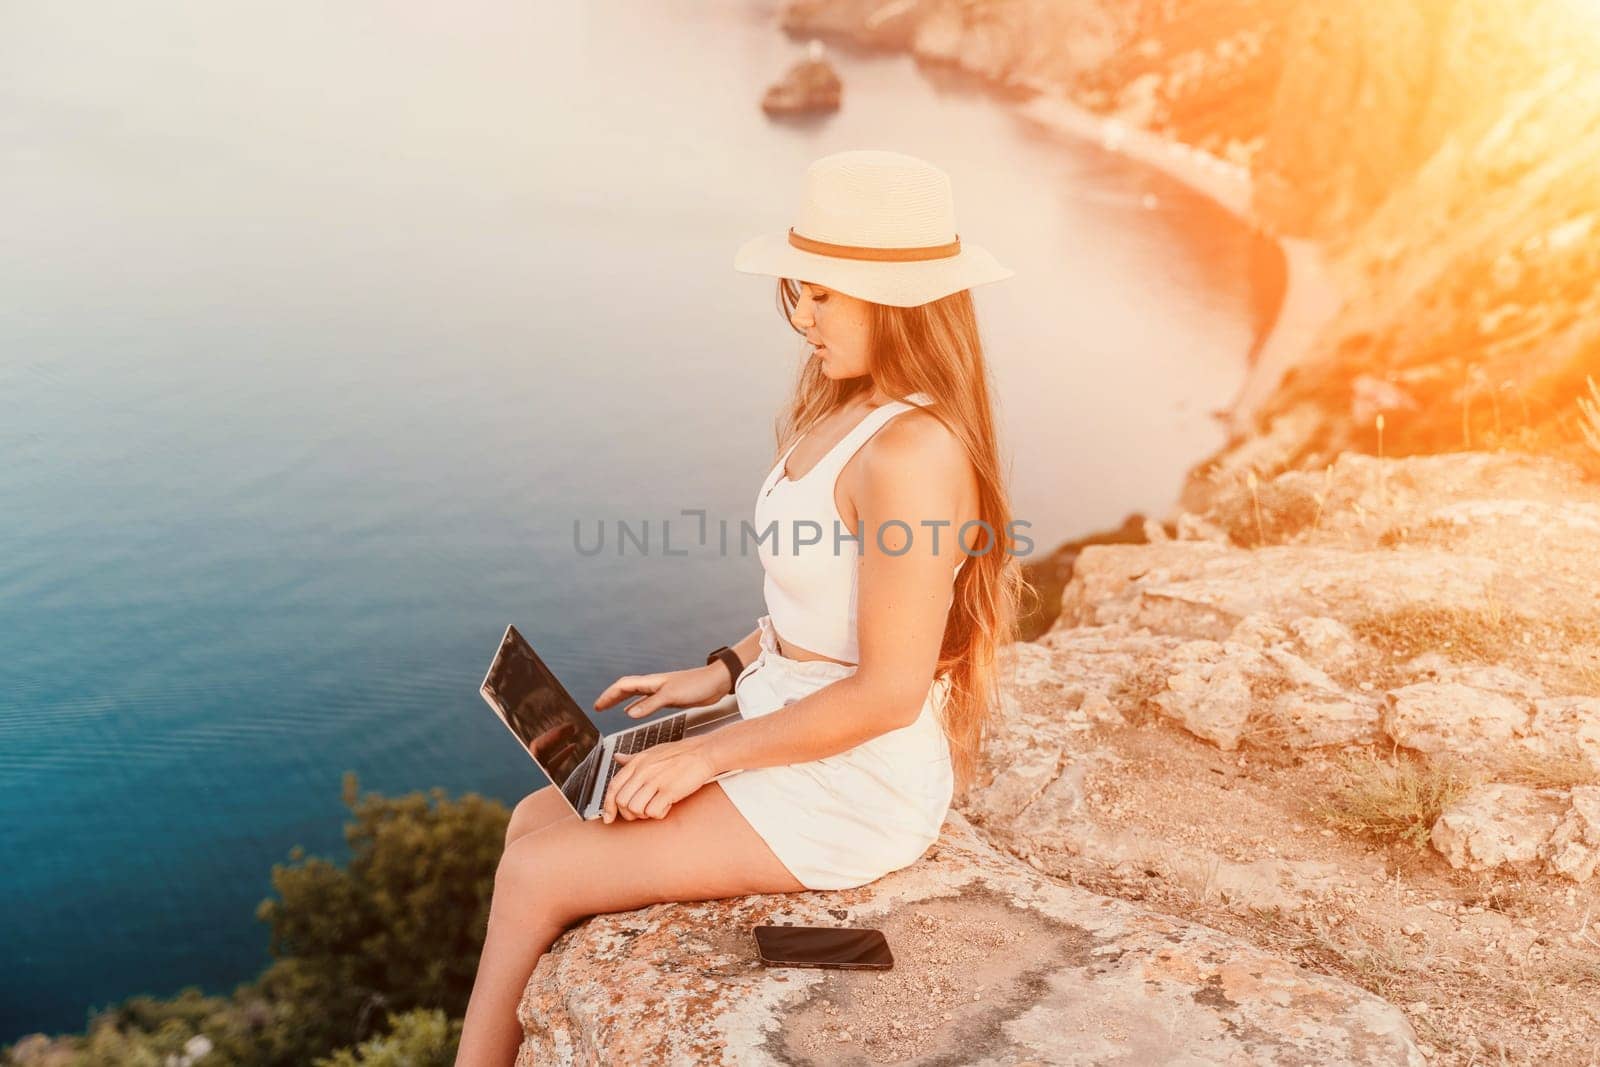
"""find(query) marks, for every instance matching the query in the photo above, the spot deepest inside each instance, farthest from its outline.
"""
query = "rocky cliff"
(1441, 153)
(994, 965)
(1309, 772)
(1348, 720)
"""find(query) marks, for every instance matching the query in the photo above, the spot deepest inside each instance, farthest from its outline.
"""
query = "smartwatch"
(730, 659)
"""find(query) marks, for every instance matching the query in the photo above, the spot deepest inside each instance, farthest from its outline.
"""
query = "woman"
(867, 688)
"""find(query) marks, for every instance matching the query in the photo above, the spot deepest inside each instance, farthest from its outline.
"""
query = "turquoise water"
(319, 327)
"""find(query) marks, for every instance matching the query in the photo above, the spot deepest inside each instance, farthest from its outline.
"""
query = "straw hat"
(877, 225)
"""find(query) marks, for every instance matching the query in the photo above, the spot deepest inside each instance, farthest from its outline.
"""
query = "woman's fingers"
(608, 806)
(621, 794)
(643, 793)
(643, 706)
(627, 685)
(633, 793)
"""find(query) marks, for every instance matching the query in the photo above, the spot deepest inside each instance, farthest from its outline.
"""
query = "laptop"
(564, 743)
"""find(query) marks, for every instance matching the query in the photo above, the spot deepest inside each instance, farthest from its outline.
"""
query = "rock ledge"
(995, 964)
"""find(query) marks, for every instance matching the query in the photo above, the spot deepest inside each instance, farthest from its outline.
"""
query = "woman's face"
(838, 326)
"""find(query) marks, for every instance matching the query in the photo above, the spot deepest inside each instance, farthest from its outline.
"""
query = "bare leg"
(539, 809)
(550, 878)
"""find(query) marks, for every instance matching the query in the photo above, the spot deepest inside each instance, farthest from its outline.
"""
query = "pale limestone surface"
(996, 964)
(1498, 824)
(1574, 849)
(1566, 725)
(1450, 717)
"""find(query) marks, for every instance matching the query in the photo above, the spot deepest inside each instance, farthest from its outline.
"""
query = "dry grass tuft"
(1491, 633)
(1589, 409)
(1392, 801)
(1580, 672)
(1563, 769)
(1478, 633)
(1383, 962)
(1270, 513)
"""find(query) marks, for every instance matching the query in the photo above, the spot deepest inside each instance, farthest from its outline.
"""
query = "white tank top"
(810, 588)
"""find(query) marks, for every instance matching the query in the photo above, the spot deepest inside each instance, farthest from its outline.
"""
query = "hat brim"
(900, 283)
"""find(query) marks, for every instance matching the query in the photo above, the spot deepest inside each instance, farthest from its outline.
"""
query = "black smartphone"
(852, 948)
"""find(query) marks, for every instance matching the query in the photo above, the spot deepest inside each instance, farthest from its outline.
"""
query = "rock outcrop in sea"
(810, 87)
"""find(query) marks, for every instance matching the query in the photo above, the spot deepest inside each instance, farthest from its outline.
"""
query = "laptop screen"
(543, 715)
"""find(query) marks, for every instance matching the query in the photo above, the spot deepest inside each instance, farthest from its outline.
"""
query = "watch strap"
(729, 659)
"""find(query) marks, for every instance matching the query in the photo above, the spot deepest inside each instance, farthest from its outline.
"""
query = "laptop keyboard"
(657, 733)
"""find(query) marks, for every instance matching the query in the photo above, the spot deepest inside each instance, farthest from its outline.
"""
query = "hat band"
(827, 248)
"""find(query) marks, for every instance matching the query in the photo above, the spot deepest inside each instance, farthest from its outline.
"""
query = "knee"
(531, 812)
(530, 872)
(521, 815)
(518, 863)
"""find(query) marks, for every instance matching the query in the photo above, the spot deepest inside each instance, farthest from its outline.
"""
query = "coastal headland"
(1342, 704)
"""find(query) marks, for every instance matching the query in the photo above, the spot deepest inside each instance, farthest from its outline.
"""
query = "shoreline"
(1311, 299)
(1310, 296)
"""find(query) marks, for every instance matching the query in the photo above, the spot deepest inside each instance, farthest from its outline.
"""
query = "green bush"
(398, 930)
(415, 1039)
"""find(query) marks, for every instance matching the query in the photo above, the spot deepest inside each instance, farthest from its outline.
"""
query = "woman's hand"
(672, 689)
(650, 782)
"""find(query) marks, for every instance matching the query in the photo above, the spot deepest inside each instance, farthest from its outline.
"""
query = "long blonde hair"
(934, 348)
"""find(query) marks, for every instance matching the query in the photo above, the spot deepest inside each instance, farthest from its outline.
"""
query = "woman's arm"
(914, 471)
(692, 687)
(834, 719)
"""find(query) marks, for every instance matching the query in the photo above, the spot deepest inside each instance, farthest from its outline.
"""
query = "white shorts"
(851, 818)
